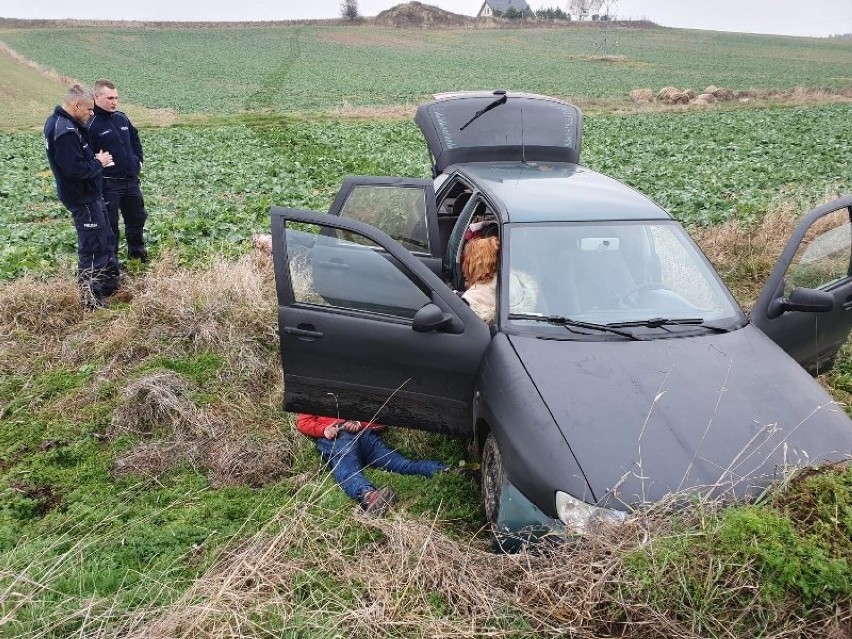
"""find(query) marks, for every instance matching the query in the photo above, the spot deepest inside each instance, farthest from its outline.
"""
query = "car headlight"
(582, 518)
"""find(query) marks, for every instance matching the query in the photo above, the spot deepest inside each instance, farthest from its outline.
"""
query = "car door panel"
(818, 256)
(347, 344)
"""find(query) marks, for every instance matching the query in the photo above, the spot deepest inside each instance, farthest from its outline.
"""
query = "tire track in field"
(264, 98)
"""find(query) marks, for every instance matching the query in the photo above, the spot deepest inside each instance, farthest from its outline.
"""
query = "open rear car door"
(806, 306)
(367, 331)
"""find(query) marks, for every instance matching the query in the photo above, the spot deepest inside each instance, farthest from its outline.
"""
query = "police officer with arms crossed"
(78, 171)
(112, 131)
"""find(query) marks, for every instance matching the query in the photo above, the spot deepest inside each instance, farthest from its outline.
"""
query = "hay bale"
(705, 98)
(673, 95)
(642, 96)
(681, 97)
(664, 94)
(720, 93)
(690, 94)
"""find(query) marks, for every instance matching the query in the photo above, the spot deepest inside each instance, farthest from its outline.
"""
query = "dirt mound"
(418, 15)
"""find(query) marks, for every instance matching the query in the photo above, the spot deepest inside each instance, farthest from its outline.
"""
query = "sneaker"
(378, 502)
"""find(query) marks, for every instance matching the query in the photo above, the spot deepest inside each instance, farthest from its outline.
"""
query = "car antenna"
(487, 107)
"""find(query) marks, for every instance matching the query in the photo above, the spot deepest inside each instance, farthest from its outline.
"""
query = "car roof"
(556, 192)
(490, 126)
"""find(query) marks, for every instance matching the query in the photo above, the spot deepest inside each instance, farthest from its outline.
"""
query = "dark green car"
(619, 368)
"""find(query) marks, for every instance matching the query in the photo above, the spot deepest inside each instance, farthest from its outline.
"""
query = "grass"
(205, 199)
(301, 68)
(24, 94)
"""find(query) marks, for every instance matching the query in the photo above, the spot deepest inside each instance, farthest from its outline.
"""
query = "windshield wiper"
(501, 100)
(569, 323)
(662, 322)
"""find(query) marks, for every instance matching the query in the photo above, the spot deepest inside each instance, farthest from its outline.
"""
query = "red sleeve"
(314, 425)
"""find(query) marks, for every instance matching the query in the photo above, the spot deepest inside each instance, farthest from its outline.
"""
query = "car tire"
(492, 480)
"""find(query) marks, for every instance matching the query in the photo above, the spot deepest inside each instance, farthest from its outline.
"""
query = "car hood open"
(722, 412)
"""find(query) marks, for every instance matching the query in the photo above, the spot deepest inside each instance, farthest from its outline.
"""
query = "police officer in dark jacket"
(112, 131)
(78, 171)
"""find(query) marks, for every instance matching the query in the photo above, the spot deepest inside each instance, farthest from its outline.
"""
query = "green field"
(150, 485)
(280, 68)
(209, 188)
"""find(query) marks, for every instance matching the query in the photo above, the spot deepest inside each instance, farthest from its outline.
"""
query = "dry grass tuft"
(171, 314)
(37, 307)
(154, 459)
(745, 255)
(155, 400)
(247, 460)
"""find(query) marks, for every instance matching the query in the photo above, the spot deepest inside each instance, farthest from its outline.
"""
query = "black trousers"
(125, 195)
(97, 267)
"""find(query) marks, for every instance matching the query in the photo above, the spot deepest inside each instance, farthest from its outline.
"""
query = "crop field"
(150, 485)
(209, 188)
(299, 68)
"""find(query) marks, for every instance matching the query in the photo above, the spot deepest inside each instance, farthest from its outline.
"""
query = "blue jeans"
(349, 453)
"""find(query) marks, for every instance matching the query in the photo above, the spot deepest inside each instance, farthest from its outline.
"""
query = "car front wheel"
(492, 479)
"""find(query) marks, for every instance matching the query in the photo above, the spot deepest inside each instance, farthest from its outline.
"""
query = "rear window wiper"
(662, 322)
(570, 324)
(501, 100)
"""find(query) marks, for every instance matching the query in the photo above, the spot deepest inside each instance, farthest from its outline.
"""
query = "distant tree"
(551, 13)
(349, 9)
(512, 13)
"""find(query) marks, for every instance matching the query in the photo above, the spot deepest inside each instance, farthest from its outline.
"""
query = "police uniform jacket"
(113, 132)
(77, 172)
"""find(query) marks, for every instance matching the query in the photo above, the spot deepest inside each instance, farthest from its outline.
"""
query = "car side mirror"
(431, 318)
(807, 300)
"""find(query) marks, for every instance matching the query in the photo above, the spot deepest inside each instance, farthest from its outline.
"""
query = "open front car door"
(806, 306)
(367, 331)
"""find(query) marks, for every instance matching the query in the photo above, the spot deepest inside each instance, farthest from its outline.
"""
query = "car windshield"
(647, 275)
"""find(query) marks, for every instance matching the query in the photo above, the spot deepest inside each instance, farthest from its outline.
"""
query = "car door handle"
(303, 331)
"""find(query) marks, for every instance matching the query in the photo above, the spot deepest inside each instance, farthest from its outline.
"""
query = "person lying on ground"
(349, 447)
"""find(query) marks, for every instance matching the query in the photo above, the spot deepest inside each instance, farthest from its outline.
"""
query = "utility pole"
(607, 43)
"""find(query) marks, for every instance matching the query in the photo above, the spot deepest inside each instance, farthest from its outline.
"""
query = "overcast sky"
(789, 17)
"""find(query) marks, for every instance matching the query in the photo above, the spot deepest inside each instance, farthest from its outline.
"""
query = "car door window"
(400, 211)
(822, 258)
(346, 270)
